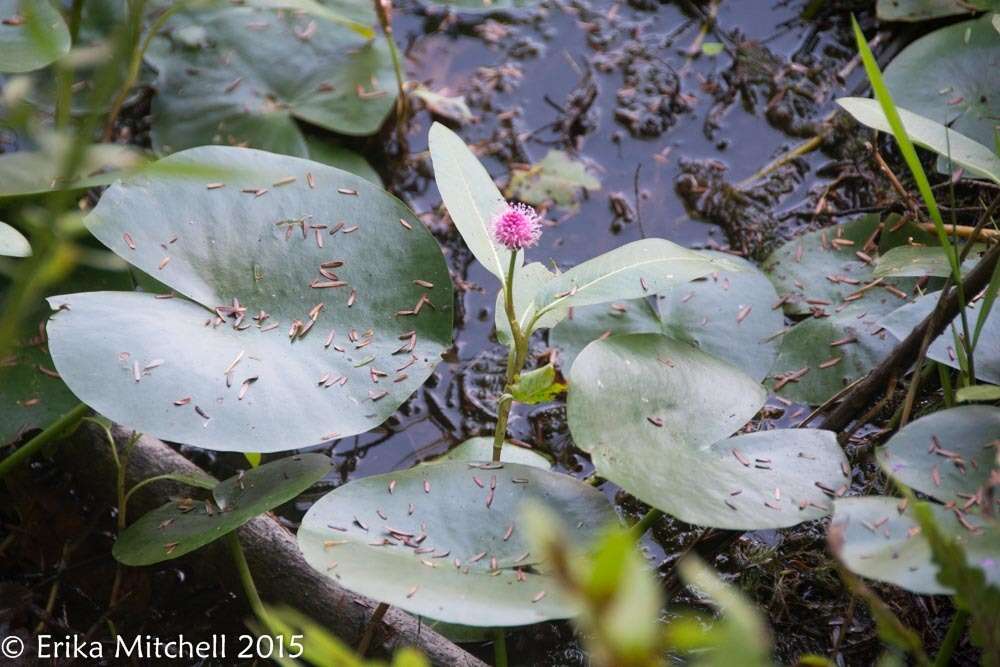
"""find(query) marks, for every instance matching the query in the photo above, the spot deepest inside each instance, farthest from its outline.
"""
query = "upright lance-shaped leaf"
(948, 454)
(12, 242)
(634, 270)
(315, 304)
(185, 524)
(444, 540)
(964, 152)
(471, 196)
(32, 35)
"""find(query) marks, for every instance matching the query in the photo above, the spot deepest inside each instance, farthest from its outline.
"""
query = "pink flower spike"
(517, 227)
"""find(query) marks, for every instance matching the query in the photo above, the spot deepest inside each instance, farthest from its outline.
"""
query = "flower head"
(518, 226)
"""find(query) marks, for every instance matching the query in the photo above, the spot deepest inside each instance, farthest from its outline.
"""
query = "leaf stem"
(955, 632)
(53, 432)
(249, 587)
(640, 527)
(500, 649)
(515, 360)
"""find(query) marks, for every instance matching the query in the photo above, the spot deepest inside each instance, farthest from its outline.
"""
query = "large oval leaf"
(183, 525)
(952, 76)
(986, 357)
(923, 10)
(224, 78)
(32, 35)
(443, 540)
(654, 415)
(481, 449)
(471, 196)
(876, 541)
(729, 314)
(257, 239)
(947, 455)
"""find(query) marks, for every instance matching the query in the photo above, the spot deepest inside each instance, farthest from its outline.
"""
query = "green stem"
(640, 527)
(54, 431)
(955, 632)
(515, 360)
(249, 587)
(500, 649)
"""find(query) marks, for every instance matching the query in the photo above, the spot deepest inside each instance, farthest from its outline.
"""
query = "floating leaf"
(437, 514)
(481, 449)
(654, 415)
(971, 155)
(951, 76)
(12, 242)
(822, 355)
(537, 386)
(923, 10)
(901, 322)
(256, 382)
(729, 315)
(185, 524)
(919, 261)
(32, 35)
(235, 88)
(471, 197)
(453, 108)
(876, 541)
(32, 395)
(712, 48)
(636, 269)
(485, 6)
(342, 158)
(823, 268)
(948, 454)
(558, 178)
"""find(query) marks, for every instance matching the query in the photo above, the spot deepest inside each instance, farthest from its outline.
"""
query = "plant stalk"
(53, 432)
(500, 649)
(249, 587)
(640, 527)
(955, 632)
(515, 360)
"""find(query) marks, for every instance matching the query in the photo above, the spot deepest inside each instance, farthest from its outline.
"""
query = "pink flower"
(517, 227)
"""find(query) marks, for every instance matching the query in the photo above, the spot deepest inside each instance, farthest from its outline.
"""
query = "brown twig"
(903, 355)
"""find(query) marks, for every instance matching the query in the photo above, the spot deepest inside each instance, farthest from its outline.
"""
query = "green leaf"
(729, 315)
(471, 196)
(975, 583)
(450, 517)
(636, 269)
(950, 76)
(183, 525)
(979, 392)
(740, 636)
(971, 155)
(528, 280)
(35, 172)
(232, 244)
(12, 242)
(901, 322)
(32, 395)
(33, 34)
(485, 6)
(481, 449)
(879, 542)
(558, 178)
(923, 10)
(822, 355)
(712, 48)
(329, 153)
(537, 386)
(253, 458)
(948, 454)
(654, 414)
(919, 261)
(822, 268)
(235, 89)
